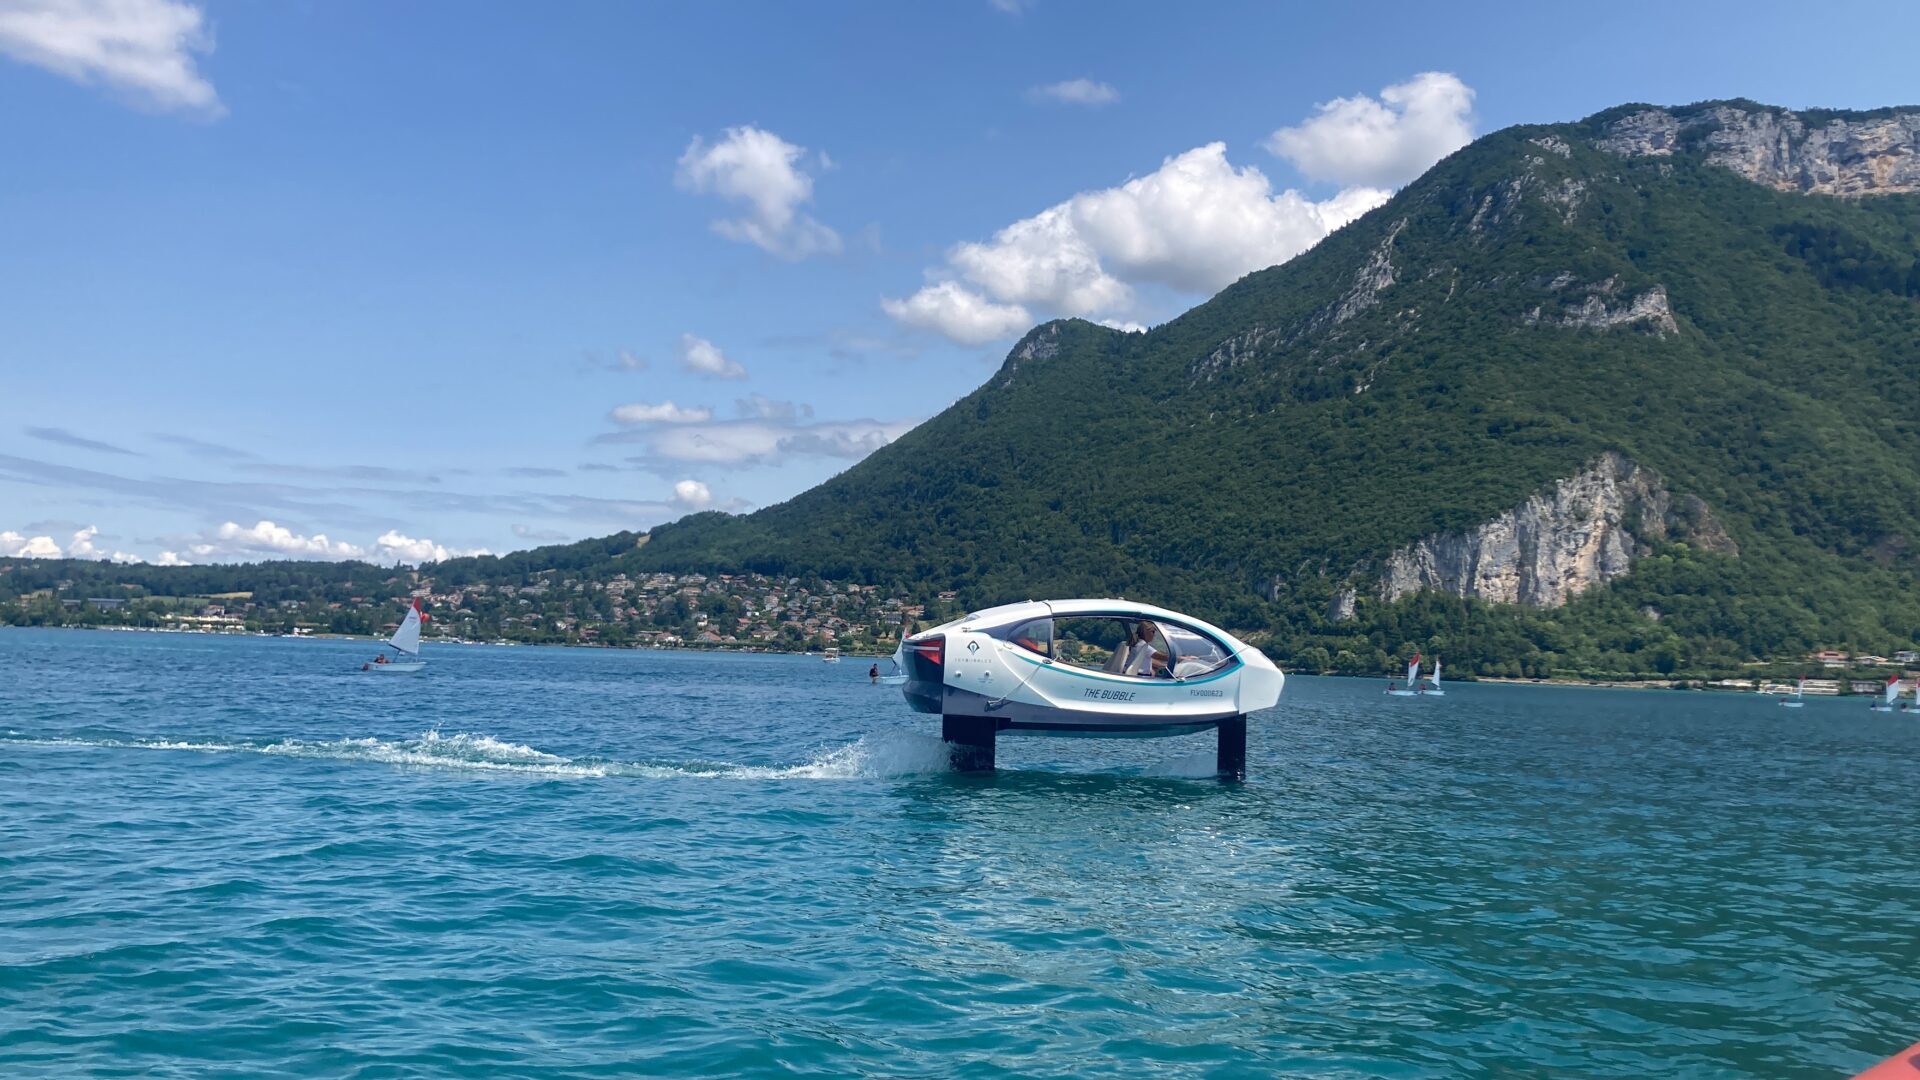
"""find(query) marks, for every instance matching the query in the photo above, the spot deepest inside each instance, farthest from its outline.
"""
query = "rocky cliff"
(1583, 531)
(1856, 155)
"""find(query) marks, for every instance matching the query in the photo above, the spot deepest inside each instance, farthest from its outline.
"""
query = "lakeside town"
(724, 612)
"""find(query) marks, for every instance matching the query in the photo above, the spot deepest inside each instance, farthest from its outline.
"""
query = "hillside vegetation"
(1421, 371)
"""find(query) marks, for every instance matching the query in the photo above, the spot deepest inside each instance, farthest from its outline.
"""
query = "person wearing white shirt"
(1143, 658)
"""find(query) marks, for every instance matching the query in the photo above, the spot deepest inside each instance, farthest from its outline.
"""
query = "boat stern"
(923, 661)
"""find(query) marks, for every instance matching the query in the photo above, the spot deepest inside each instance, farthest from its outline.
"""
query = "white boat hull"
(403, 667)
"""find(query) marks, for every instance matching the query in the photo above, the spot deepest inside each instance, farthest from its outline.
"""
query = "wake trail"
(877, 756)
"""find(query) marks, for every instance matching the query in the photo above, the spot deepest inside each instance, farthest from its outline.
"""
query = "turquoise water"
(238, 858)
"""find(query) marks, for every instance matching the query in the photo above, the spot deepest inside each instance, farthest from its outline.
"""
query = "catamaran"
(1799, 691)
(1433, 688)
(1413, 681)
(405, 641)
(1888, 696)
(1087, 669)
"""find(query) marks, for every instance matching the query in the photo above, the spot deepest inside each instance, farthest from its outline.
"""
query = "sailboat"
(899, 676)
(405, 641)
(1433, 689)
(1794, 702)
(1413, 681)
(1889, 696)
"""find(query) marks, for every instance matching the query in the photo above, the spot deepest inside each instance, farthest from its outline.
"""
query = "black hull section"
(1020, 718)
(970, 741)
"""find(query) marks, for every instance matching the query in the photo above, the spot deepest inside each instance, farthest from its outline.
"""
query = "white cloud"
(666, 412)
(692, 494)
(395, 547)
(1384, 142)
(142, 48)
(749, 442)
(703, 357)
(80, 546)
(959, 313)
(1194, 225)
(13, 545)
(760, 170)
(266, 540)
(766, 408)
(1076, 92)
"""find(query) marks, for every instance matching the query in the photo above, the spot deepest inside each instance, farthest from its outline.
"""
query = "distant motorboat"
(832, 657)
(1413, 681)
(1890, 695)
(1794, 702)
(405, 641)
(1434, 689)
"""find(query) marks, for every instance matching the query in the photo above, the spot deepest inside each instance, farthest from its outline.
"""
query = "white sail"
(1799, 689)
(1413, 673)
(1436, 673)
(1893, 690)
(407, 638)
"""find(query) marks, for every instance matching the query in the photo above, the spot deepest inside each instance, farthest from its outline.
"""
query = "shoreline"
(1688, 685)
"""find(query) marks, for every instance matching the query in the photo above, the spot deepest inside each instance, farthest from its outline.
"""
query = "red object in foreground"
(1904, 1065)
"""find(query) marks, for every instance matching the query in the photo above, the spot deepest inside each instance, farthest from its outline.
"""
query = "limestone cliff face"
(1779, 148)
(1601, 307)
(1583, 531)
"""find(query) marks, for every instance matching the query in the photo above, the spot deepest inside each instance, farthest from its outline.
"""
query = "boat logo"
(973, 646)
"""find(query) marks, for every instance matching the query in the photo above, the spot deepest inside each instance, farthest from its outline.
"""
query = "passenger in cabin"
(1146, 660)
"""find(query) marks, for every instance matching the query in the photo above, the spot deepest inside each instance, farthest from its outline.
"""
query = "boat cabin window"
(1035, 635)
(1112, 644)
(1100, 644)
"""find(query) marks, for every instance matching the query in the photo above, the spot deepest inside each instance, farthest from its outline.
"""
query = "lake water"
(239, 858)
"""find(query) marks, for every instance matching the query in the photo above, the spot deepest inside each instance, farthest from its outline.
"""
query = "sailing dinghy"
(1413, 681)
(1794, 702)
(1889, 696)
(405, 641)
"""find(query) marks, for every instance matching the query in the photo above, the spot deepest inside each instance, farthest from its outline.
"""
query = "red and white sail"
(407, 638)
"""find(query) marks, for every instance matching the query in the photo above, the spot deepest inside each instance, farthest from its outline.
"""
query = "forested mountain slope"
(1725, 297)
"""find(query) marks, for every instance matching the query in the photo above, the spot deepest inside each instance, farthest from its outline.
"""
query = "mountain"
(1632, 394)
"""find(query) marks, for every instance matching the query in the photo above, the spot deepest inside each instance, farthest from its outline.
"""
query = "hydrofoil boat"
(1085, 669)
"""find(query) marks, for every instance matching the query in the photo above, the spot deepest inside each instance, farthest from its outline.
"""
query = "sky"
(401, 282)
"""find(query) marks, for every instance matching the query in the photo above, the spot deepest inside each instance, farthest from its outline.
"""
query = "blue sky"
(397, 281)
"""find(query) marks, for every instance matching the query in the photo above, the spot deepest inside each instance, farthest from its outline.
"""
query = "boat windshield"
(1191, 653)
